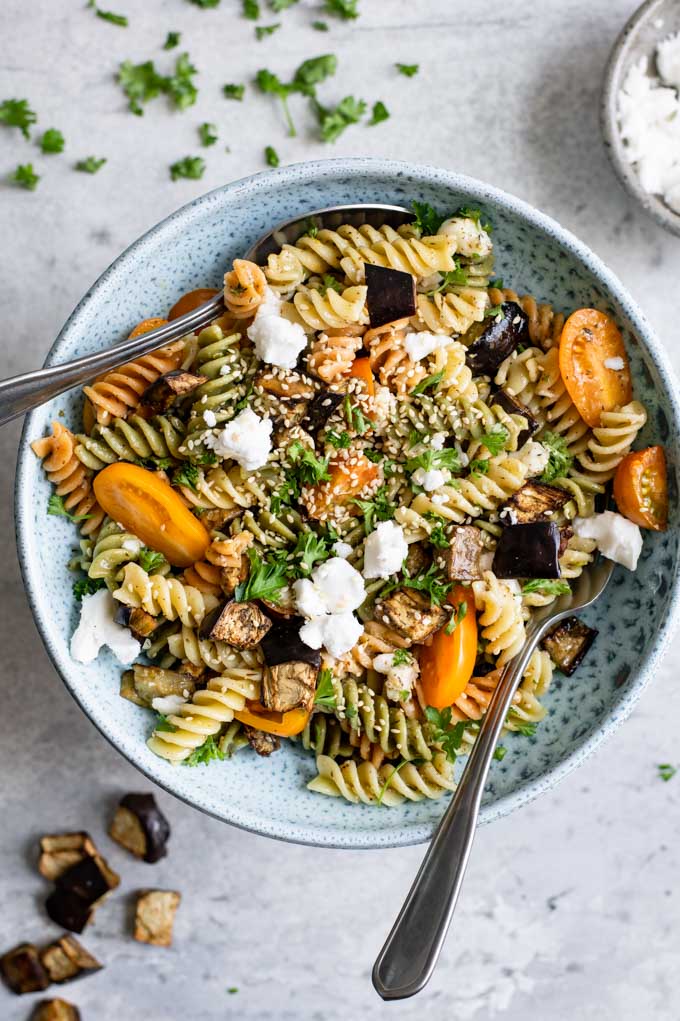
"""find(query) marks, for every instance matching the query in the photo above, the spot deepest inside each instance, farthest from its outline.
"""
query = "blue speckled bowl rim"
(358, 168)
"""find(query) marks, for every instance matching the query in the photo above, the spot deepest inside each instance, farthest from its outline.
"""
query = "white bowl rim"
(358, 167)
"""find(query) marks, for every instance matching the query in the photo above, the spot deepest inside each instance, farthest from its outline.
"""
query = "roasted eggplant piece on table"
(462, 558)
(55, 1010)
(264, 744)
(139, 826)
(161, 395)
(59, 851)
(536, 501)
(67, 959)
(509, 403)
(490, 342)
(242, 625)
(143, 683)
(568, 643)
(155, 916)
(411, 614)
(528, 551)
(22, 970)
(78, 891)
(391, 295)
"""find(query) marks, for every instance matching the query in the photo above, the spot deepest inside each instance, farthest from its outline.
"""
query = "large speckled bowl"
(635, 617)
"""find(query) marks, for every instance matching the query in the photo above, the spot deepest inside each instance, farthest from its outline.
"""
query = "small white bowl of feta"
(641, 109)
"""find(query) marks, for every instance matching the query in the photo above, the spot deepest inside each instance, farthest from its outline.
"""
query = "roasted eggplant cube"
(391, 295)
(410, 614)
(320, 409)
(528, 551)
(282, 644)
(91, 879)
(140, 623)
(285, 384)
(55, 1010)
(22, 970)
(155, 916)
(167, 389)
(418, 558)
(536, 501)
(462, 558)
(67, 959)
(68, 910)
(510, 404)
(264, 744)
(59, 851)
(490, 342)
(568, 643)
(139, 826)
(154, 682)
(288, 686)
(242, 625)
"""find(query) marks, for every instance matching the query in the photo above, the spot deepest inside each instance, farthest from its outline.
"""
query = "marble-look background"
(570, 908)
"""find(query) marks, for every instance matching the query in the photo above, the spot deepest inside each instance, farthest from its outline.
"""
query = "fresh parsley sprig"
(380, 113)
(345, 9)
(265, 580)
(310, 469)
(205, 753)
(666, 771)
(233, 91)
(429, 383)
(380, 508)
(207, 133)
(16, 113)
(408, 70)
(447, 735)
(325, 692)
(26, 177)
(495, 439)
(446, 459)
(191, 167)
(150, 560)
(56, 506)
(334, 120)
(52, 141)
(559, 461)
(90, 165)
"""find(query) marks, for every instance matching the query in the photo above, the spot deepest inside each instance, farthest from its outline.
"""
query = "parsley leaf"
(334, 120)
(310, 549)
(666, 771)
(450, 278)
(547, 587)
(186, 475)
(206, 752)
(401, 657)
(16, 113)
(355, 417)
(432, 581)
(447, 458)
(330, 283)
(208, 133)
(26, 177)
(460, 613)
(479, 466)
(171, 40)
(205, 3)
(495, 440)
(325, 692)
(180, 86)
(191, 167)
(520, 725)
(281, 5)
(140, 83)
(150, 560)
(91, 164)
(264, 30)
(55, 506)
(87, 586)
(271, 156)
(339, 440)
(272, 85)
(500, 753)
(310, 468)
(52, 141)
(560, 459)
(251, 10)
(115, 19)
(234, 91)
(264, 581)
(497, 283)
(380, 113)
(408, 70)
(427, 220)
(163, 724)
(473, 214)
(320, 26)
(443, 733)
(429, 383)
(438, 537)
(379, 508)
(494, 312)
(345, 9)
(312, 72)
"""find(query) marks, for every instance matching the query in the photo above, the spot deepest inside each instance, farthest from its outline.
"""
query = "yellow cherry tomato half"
(281, 724)
(446, 665)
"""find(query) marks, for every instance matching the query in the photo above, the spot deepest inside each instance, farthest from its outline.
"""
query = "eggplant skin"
(320, 409)
(68, 910)
(391, 295)
(155, 828)
(282, 644)
(495, 338)
(568, 644)
(528, 551)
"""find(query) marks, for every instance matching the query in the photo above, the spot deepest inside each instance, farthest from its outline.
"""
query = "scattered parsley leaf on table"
(345, 9)
(251, 10)
(208, 133)
(25, 177)
(380, 113)
(408, 70)
(140, 83)
(234, 91)
(334, 120)
(171, 40)
(16, 113)
(666, 771)
(191, 167)
(271, 156)
(312, 72)
(281, 5)
(272, 85)
(262, 31)
(91, 164)
(181, 86)
(52, 141)
(114, 19)
(205, 3)
(320, 26)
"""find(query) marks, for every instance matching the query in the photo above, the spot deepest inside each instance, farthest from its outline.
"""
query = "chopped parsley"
(495, 440)
(172, 39)
(447, 735)
(453, 277)
(401, 657)
(495, 312)
(186, 475)
(330, 283)
(437, 536)
(460, 613)
(150, 560)
(233, 91)
(90, 165)
(432, 581)
(251, 10)
(474, 214)
(559, 461)
(521, 725)
(479, 466)
(447, 458)
(261, 31)
(114, 19)
(666, 771)
(205, 3)
(310, 468)
(281, 5)
(334, 120)
(16, 113)
(140, 83)
(55, 506)
(26, 177)
(426, 219)
(264, 581)
(208, 751)
(180, 87)
(271, 156)
(355, 417)
(500, 753)
(207, 132)
(341, 441)
(379, 508)
(52, 141)
(408, 70)
(380, 113)
(310, 549)
(164, 724)
(320, 26)
(232, 989)
(191, 167)
(345, 9)
(87, 586)
(547, 587)
(497, 283)
(325, 692)
(429, 383)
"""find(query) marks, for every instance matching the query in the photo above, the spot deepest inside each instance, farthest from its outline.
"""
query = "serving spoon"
(407, 960)
(22, 393)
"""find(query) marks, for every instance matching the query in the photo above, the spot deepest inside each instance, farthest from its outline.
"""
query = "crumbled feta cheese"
(399, 679)
(534, 456)
(210, 418)
(337, 632)
(308, 599)
(430, 479)
(617, 538)
(384, 550)
(469, 237)
(614, 363)
(668, 60)
(247, 439)
(277, 340)
(168, 704)
(327, 600)
(98, 627)
(437, 441)
(341, 549)
(420, 345)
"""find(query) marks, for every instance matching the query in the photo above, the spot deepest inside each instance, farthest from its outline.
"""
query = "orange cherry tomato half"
(147, 506)
(282, 724)
(361, 369)
(146, 326)
(590, 340)
(349, 474)
(191, 300)
(641, 488)
(446, 665)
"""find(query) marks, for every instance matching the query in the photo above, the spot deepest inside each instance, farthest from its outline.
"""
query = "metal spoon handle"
(408, 958)
(21, 393)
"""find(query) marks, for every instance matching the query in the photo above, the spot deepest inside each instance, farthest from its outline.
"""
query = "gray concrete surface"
(570, 909)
